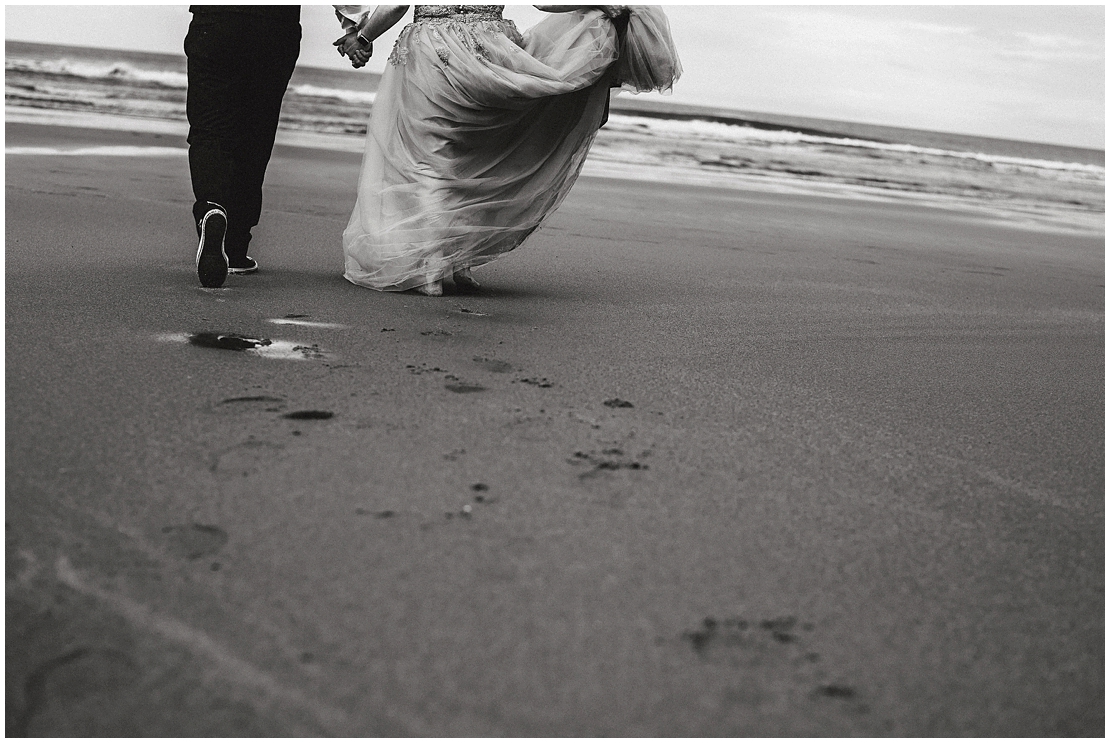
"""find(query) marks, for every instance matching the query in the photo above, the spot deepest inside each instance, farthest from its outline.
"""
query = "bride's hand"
(359, 57)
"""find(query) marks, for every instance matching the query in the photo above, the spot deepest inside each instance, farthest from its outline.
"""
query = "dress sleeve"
(648, 58)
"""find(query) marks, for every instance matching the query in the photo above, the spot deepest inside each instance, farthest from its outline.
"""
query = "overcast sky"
(1014, 71)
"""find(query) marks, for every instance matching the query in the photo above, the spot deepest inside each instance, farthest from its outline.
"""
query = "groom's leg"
(274, 52)
(215, 107)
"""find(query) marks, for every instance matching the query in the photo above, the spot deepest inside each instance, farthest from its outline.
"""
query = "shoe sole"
(467, 284)
(212, 268)
(240, 271)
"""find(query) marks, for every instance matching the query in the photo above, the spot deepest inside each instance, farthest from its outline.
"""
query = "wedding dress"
(478, 132)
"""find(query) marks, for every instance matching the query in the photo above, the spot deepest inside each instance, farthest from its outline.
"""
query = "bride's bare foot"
(463, 280)
(432, 288)
(434, 271)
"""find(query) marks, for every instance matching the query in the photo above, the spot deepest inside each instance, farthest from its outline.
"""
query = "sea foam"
(743, 134)
(98, 71)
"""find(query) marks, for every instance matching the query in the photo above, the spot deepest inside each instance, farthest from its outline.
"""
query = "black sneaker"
(211, 259)
(241, 264)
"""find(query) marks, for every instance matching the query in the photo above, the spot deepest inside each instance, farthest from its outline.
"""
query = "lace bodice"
(461, 13)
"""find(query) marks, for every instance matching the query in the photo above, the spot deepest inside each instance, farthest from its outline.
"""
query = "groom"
(240, 60)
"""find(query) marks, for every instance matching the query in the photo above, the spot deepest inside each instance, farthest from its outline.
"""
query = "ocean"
(647, 138)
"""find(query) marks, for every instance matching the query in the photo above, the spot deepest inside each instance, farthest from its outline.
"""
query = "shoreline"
(648, 107)
(1028, 217)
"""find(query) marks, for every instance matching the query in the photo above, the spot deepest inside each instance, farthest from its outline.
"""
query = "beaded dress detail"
(464, 18)
(476, 136)
(461, 13)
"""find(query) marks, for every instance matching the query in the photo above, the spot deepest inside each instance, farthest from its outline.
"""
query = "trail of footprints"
(781, 641)
(249, 457)
(246, 458)
(715, 639)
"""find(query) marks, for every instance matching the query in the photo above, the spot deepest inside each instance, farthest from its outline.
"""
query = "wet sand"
(694, 462)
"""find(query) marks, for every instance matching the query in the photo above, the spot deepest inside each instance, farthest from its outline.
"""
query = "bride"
(478, 132)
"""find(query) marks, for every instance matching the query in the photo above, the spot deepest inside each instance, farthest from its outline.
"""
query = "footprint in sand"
(386, 514)
(264, 347)
(481, 489)
(244, 459)
(493, 365)
(68, 679)
(309, 415)
(247, 403)
(739, 632)
(836, 691)
(778, 646)
(541, 382)
(463, 389)
(228, 341)
(193, 541)
(250, 398)
(610, 459)
(423, 369)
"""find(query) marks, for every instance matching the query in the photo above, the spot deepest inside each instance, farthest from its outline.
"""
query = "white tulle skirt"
(477, 135)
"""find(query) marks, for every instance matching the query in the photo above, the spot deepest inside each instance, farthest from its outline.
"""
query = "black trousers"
(239, 67)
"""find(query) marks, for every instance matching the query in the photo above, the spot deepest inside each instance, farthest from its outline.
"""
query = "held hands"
(354, 48)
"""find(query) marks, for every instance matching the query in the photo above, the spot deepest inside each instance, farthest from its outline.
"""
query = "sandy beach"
(694, 462)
